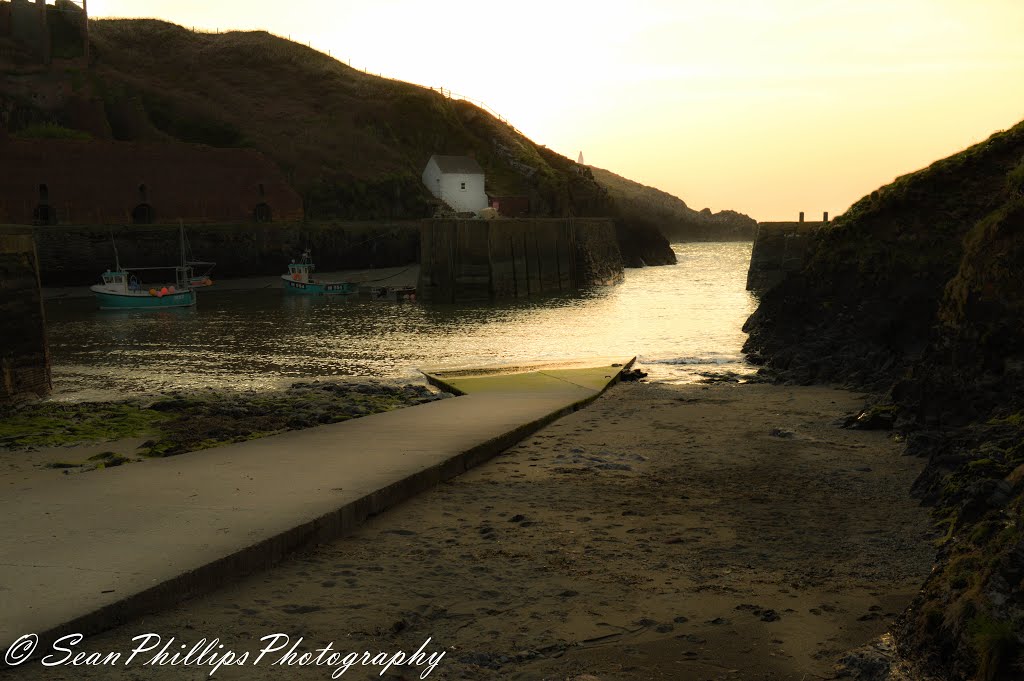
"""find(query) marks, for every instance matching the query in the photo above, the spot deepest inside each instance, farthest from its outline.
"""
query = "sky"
(767, 107)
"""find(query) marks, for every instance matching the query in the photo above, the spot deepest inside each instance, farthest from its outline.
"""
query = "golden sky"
(768, 107)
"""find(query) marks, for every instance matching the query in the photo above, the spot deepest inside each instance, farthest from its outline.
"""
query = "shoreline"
(51, 437)
(665, 532)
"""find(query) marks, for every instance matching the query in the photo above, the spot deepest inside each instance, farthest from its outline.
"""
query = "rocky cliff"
(670, 215)
(917, 293)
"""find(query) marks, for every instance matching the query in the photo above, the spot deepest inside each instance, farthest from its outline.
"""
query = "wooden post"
(85, 29)
(515, 275)
(540, 264)
(526, 263)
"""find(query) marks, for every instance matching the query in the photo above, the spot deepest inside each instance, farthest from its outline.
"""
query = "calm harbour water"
(679, 321)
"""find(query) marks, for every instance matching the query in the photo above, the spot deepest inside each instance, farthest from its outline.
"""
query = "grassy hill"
(671, 215)
(917, 292)
(353, 144)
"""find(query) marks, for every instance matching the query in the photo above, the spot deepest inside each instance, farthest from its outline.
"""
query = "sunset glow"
(767, 107)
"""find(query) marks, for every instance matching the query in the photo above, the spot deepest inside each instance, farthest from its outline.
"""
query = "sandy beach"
(664, 532)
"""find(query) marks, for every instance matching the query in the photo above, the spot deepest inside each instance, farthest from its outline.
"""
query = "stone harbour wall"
(488, 259)
(24, 354)
(460, 259)
(72, 255)
(779, 248)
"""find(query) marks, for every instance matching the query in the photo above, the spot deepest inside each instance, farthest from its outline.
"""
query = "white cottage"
(458, 181)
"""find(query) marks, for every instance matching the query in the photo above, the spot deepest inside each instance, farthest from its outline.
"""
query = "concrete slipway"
(87, 552)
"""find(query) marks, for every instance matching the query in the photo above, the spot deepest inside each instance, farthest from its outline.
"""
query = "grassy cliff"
(917, 293)
(353, 144)
(671, 215)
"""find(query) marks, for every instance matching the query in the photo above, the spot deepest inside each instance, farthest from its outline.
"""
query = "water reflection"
(680, 320)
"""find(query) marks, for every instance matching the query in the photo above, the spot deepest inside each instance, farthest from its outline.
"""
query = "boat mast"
(183, 278)
(181, 237)
(117, 258)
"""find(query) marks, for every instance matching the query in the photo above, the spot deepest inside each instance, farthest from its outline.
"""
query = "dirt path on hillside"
(721, 532)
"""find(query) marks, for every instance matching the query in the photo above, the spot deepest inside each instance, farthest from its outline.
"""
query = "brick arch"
(44, 214)
(263, 213)
(143, 214)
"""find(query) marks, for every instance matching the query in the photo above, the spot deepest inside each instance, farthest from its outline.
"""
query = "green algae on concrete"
(56, 424)
(541, 379)
(183, 422)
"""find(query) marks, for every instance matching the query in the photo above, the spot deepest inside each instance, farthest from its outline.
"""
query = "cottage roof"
(457, 164)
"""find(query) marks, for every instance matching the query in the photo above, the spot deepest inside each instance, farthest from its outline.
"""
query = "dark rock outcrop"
(863, 308)
(641, 243)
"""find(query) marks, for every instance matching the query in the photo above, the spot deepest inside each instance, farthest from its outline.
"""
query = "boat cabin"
(123, 281)
(120, 280)
(300, 271)
(114, 278)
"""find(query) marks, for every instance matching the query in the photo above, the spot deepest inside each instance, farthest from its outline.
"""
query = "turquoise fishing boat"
(300, 280)
(122, 287)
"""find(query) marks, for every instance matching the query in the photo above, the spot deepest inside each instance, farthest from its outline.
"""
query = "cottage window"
(463, 185)
(44, 194)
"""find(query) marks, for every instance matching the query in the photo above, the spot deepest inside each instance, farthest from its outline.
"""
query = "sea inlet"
(681, 321)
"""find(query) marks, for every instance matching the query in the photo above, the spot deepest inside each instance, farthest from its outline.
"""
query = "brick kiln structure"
(101, 183)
